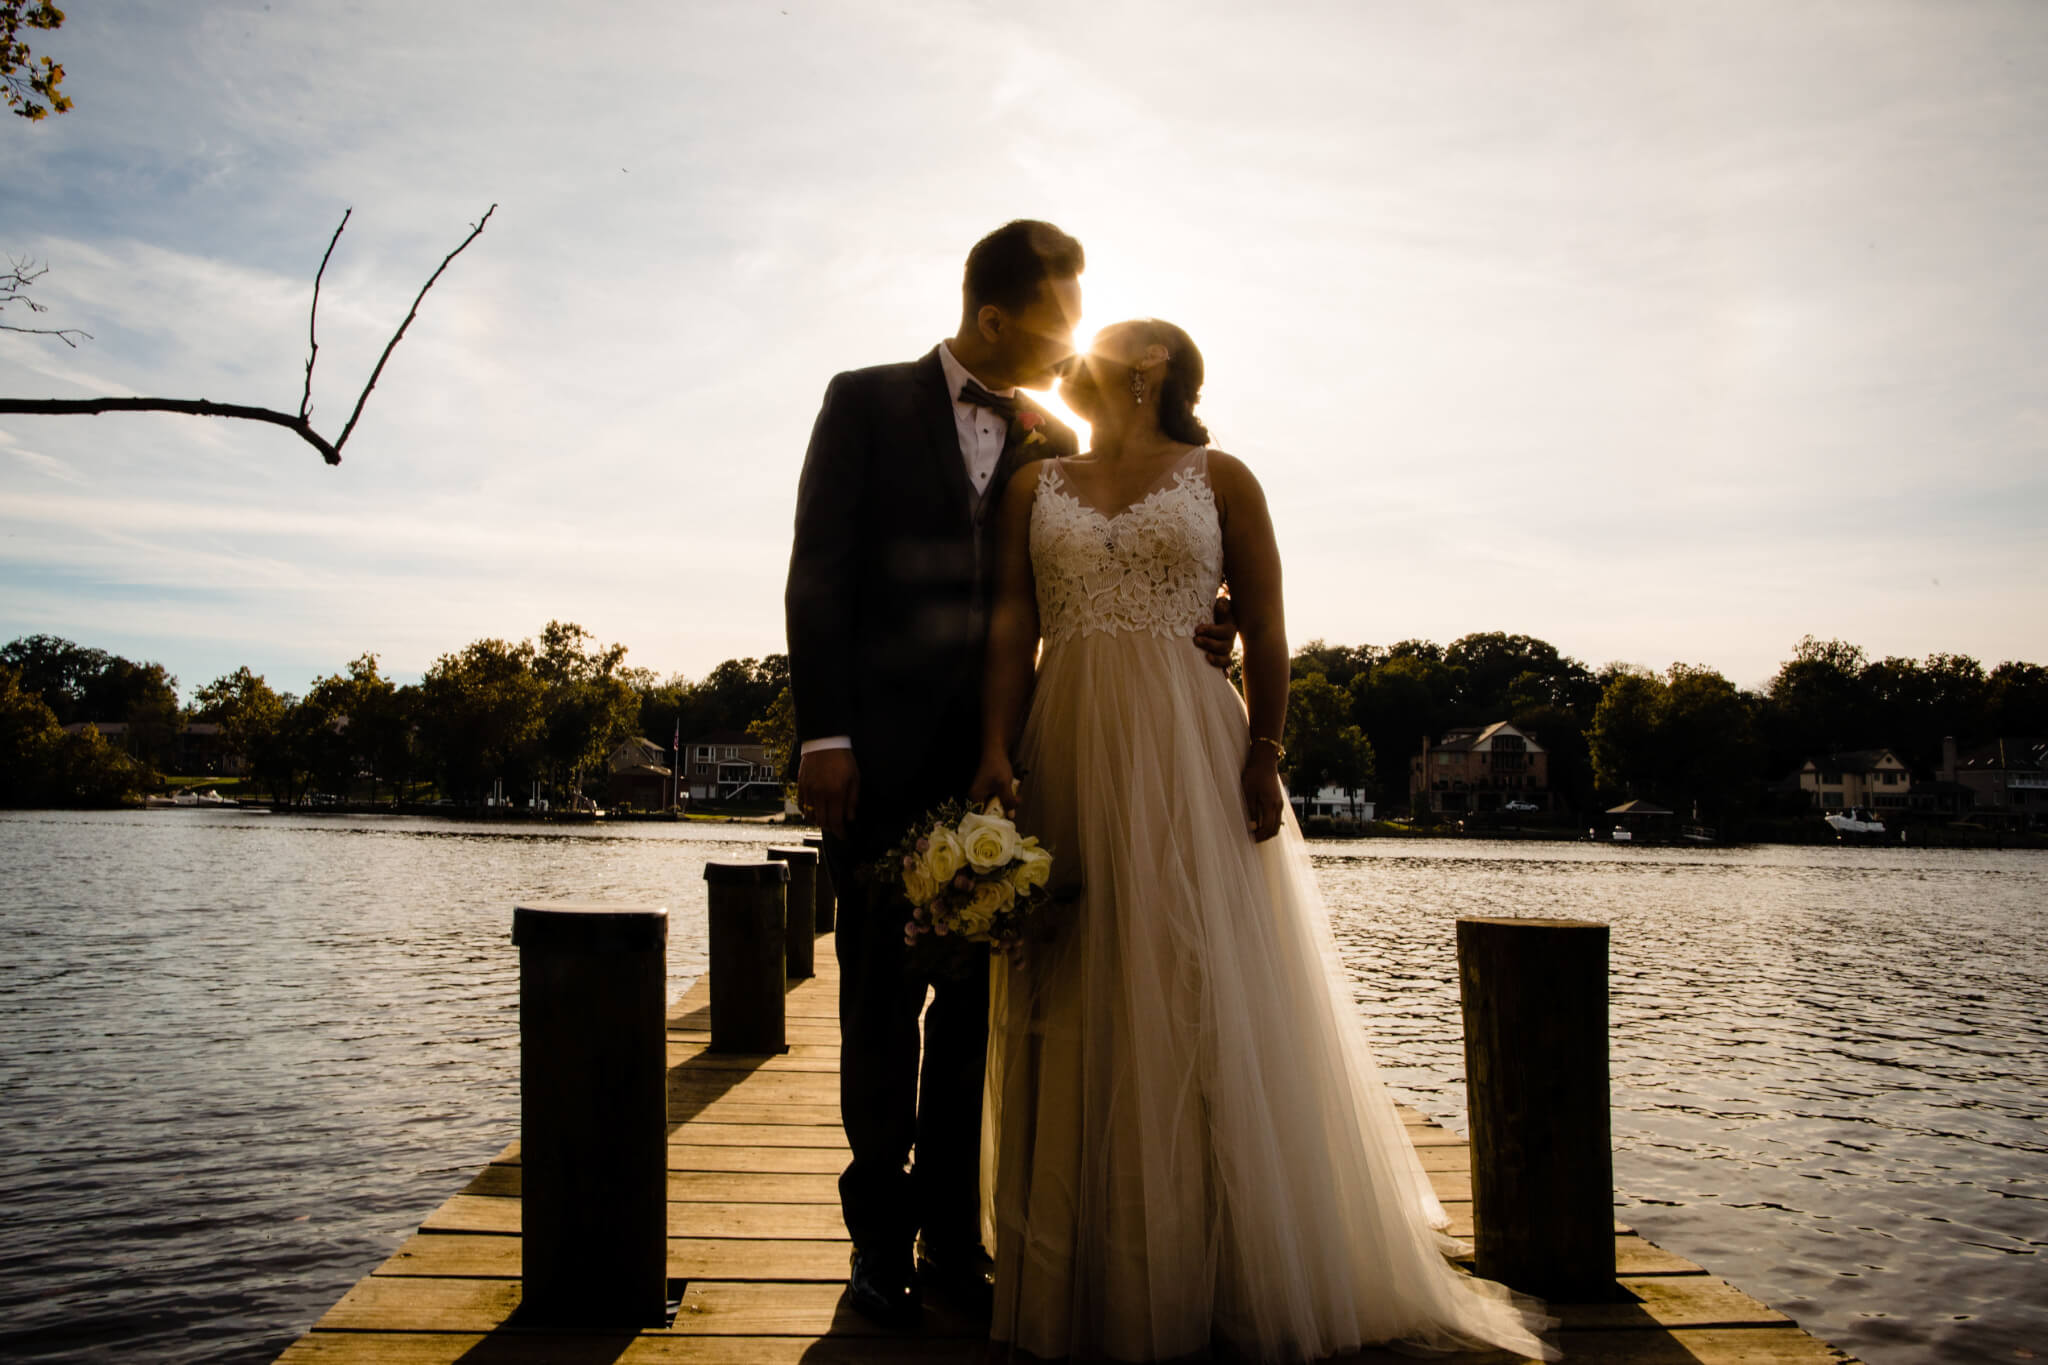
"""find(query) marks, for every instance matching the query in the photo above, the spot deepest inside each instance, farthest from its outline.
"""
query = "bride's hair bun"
(1181, 389)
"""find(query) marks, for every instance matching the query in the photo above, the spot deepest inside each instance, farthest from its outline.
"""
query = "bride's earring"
(1137, 388)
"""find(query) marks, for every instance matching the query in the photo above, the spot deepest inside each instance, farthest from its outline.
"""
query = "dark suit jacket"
(890, 580)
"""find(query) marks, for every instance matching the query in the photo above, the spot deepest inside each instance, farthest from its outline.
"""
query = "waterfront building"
(640, 776)
(1477, 769)
(1872, 779)
(1342, 803)
(727, 765)
(2007, 778)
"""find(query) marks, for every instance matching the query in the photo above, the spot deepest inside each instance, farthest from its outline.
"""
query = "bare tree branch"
(302, 424)
(19, 276)
(313, 320)
(198, 407)
(475, 231)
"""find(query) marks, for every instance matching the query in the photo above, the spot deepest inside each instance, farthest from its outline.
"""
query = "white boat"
(1624, 835)
(1855, 820)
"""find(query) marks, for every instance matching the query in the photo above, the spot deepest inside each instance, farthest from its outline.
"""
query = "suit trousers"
(893, 1103)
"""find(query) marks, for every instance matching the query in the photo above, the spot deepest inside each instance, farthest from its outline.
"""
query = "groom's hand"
(1217, 640)
(828, 788)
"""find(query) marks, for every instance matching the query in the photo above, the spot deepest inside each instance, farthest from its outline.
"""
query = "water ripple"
(241, 1057)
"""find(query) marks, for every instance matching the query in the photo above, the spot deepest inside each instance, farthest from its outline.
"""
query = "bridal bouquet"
(966, 873)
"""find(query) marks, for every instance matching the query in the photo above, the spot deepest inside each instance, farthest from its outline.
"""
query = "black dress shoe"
(964, 1276)
(883, 1290)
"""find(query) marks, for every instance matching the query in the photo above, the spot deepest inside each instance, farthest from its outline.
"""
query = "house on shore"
(727, 765)
(640, 776)
(2007, 778)
(1873, 779)
(1340, 803)
(1482, 768)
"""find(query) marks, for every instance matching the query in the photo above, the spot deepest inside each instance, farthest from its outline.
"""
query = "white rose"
(918, 883)
(1033, 869)
(989, 840)
(944, 857)
(989, 900)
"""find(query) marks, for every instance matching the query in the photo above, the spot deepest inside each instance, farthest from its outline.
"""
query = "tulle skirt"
(1186, 1143)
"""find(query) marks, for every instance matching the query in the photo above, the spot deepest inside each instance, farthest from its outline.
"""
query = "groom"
(887, 610)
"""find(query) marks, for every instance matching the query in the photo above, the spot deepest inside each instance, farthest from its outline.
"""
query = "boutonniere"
(1030, 422)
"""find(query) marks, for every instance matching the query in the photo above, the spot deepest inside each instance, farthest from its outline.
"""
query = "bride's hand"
(1262, 798)
(994, 778)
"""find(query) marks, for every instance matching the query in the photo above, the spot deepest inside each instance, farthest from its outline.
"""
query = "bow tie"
(971, 392)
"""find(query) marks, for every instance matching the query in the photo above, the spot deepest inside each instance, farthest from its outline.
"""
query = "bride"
(1186, 1143)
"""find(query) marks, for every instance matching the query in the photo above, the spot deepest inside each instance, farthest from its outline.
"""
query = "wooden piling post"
(748, 976)
(1535, 1007)
(828, 895)
(800, 936)
(593, 1113)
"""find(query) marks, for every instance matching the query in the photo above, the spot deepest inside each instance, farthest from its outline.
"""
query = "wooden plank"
(799, 1034)
(1451, 1184)
(687, 1108)
(741, 1308)
(689, 1258)
(551, 1348)
(684, 1050)
(816, 1218)
(763, 1087)
(1711, 1346)
(707, 1134)
(1672, 1301)
(417, 1303)
(775, 1175)
(1634, 1256)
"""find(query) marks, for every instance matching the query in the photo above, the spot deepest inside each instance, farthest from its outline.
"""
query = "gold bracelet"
(1279, 749)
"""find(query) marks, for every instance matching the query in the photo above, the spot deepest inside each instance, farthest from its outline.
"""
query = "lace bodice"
(1152, 568)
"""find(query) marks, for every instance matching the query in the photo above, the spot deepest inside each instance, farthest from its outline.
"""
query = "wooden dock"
(758, 1251)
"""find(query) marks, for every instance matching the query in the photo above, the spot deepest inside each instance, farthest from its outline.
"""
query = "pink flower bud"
(909, 861)
(963, 881)
(923, 846)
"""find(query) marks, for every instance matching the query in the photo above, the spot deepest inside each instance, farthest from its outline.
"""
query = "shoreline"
(1781, 833)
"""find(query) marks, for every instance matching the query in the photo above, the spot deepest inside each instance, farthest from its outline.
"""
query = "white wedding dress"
(1186, 1143)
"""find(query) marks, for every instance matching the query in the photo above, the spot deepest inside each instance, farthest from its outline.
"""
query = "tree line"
(547, 710)
(551, 709)
(1685, 737)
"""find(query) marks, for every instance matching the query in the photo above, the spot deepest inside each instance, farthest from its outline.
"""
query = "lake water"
(241, 1056)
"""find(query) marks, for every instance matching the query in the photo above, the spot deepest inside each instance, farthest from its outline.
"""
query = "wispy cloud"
(1666, 332)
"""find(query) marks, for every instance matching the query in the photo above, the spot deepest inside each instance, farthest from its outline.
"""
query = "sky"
(1662, 332)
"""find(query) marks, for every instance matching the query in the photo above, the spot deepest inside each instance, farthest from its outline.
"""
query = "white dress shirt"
(982, 433)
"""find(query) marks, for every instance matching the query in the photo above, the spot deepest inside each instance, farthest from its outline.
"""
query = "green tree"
(251, 719)
(2016, 701)
(776, 730)
(1500, 673)
(588, 704)
(1409, 696)
(1623, 739)
(29, 84)
(1817, 703)
(1324, 747)
(58, 671)
(40, 765)
(1708, 745)
(1685, 739)
(78, 683)
(480, 717)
